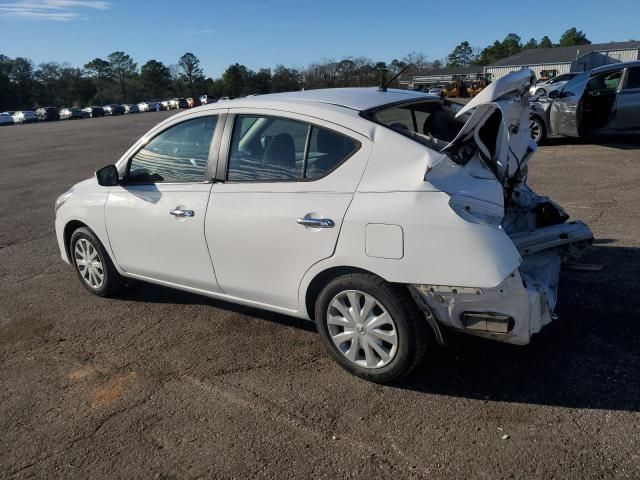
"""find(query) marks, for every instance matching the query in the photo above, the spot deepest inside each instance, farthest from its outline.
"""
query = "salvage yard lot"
(162, 383)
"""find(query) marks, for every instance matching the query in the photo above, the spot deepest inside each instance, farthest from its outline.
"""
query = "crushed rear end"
(484, 170)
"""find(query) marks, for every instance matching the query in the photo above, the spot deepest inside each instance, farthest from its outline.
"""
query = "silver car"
(602, 101)
(555, 83)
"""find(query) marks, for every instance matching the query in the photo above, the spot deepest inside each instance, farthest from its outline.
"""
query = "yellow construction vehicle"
(452, 89)
(477, 85)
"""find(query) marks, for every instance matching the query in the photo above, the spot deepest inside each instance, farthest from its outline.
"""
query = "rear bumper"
(510, 312)
(523, 302)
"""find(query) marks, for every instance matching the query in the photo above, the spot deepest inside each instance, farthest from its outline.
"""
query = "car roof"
(615, 66)
(357, 98)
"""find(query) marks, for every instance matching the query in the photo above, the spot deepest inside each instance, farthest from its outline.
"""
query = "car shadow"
(588, 358)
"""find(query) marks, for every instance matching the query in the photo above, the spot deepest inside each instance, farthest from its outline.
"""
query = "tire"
(540, 92)
(84, 245)
(402, 325)
(538, 130)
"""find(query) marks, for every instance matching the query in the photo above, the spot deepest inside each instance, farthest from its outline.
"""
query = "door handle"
(182, 213)
(316, 222)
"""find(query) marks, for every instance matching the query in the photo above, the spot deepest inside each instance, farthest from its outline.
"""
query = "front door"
(155, 218)
(627, 116)
(565, 109)
(286, 189)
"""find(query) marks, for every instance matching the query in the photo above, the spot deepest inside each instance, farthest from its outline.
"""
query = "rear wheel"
(93, 265)
(373, 329)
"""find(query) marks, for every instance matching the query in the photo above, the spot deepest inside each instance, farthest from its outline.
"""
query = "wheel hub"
(88, 263)
(362, 329)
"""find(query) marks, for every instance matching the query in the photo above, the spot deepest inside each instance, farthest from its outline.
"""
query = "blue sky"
(294, 33)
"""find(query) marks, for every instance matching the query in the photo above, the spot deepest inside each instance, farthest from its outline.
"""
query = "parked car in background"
(72, 113)
(131, 108)
(192, 102)
(206, 99)
(180, 103)
(6, 119)
(149, 106)
(167, 105)
(602, 101)
(94, 111)
(46, 114)
(553, 84)
(315, 204)
(437, 90)
(113, 109)
(25, 116)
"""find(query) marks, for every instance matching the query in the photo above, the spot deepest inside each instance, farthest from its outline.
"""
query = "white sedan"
(556, 83)
(25, 116)
(372, 213)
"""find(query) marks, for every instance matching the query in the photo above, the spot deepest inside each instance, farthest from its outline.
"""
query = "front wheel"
(93, 265)
(537, 129)
(373, 329)
(540, 92)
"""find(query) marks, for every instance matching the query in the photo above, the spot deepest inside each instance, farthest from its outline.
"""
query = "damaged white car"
(383, 216)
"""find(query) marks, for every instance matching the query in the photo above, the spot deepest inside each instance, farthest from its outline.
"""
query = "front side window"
(179, 154)
(604, 83)
(268, 149)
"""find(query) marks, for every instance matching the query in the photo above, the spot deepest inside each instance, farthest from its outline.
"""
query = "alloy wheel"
(89, 264)
(536, 130)
(362, 329)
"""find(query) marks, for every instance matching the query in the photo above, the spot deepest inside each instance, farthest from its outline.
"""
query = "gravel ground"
(159, 383)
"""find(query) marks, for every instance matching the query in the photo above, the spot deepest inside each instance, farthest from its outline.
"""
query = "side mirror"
(108, 176)
(553, 94)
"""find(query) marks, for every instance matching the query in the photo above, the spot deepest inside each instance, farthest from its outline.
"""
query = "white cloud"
(56, 10)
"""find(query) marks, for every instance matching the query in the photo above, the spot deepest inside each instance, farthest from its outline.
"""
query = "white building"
(548, 62)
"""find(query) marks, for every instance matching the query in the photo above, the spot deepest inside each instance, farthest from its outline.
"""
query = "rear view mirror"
(554, 94)
(108, 176)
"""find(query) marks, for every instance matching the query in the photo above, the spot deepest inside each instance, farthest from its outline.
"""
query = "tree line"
(117, 78)
(464, 55)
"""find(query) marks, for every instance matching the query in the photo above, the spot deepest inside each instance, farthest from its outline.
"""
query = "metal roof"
(537, 56)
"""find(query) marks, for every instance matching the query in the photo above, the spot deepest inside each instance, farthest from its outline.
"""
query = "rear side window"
(327, 149)
(179, 154)
(268, 149)
(633, 78)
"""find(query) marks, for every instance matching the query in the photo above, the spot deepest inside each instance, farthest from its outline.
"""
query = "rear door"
(627, 116)
(565, 110)
(280, 200)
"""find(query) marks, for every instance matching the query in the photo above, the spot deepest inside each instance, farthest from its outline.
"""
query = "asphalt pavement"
(163, 384)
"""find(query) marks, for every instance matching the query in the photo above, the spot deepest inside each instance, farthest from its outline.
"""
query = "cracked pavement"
(164, 384)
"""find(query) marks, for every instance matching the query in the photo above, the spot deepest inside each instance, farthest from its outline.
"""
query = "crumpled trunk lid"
(496, 135)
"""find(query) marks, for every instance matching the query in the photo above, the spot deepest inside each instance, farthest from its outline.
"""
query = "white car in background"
(375, 214)
(6, 119)
(555, 83)
(437, 90)
(25, 116)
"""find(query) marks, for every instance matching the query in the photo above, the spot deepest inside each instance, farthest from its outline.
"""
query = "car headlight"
(62, 199)
(476, 211)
